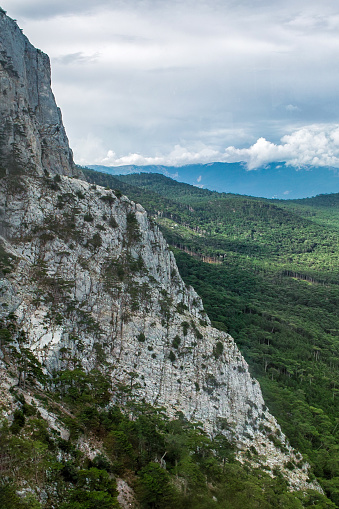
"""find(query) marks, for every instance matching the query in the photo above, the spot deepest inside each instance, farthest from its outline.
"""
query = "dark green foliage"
(166, 306)
(171, 356)
(80, 195)
(133, 231)
(136, 265)
(176, 342)
(64, 226)
(64, 199)
(108, 198)
(154, 488)
(141, 337)
(14, 345)
(102, 463)
(112, 222)
(76, 386)
(10, 500)
(218, 350)
(114, 270)
(185, 326)
(18, 421)
(170, 464)
(6, 260)
(5, 337)
(88, 217)
(93, 488)
(196, 331)
(181, 307)
(95, 241)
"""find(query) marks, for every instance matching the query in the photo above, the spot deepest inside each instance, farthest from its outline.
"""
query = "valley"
(274, 288)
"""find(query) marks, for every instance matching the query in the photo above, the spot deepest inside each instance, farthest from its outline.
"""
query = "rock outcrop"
(95, 283)
(32, 136)
(91, 281)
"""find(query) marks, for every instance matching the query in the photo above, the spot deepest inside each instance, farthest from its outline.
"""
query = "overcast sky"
(174, 82)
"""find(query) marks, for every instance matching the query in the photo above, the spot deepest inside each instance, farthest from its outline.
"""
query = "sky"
(192, 81)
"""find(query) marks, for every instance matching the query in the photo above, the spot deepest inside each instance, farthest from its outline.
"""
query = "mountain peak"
(32, 135)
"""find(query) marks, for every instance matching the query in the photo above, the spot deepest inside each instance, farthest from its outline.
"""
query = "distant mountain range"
(275, 180)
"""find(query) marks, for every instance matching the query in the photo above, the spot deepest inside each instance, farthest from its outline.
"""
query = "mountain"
(275, 180)
(267, 273)
(115, 388)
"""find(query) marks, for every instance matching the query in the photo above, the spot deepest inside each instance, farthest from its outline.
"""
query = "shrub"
(112, 222)
(171, 356)
(141, 337)
(95, 241)
(218, 350)
(185, 327)
(133, 231)
(108, 198)
(176, 342)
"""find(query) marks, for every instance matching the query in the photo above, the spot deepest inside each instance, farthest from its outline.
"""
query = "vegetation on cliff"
(168, 463)
(271, 281)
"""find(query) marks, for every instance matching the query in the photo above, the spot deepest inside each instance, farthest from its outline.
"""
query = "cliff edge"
(32, 135)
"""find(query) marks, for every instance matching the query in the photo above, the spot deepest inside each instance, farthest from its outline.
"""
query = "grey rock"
(32, 136)
(112, 298)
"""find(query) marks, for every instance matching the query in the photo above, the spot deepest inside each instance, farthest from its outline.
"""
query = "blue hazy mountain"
(275, 180)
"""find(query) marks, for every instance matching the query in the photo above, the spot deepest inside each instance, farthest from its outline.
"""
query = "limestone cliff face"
(93, 282)
(32, 136)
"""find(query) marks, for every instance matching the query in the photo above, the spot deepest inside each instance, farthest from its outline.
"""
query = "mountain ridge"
(275, 180)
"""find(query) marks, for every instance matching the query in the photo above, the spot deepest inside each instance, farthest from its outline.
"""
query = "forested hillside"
(271, 281)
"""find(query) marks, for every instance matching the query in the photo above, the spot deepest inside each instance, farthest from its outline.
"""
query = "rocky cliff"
(32, 136)
(91, 282)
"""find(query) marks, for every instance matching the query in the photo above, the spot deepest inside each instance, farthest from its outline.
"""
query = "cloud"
(314, 145)
(89, 149)
(40, 9)
(188, 80)
(292, 108)
(179, 156)
(76, 58)
(199, 178)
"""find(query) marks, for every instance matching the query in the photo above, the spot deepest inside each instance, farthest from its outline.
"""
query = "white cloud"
(314, 145)
(179, 156)
(199, 178)
(76, 58)
(292, 108)
(89, 149)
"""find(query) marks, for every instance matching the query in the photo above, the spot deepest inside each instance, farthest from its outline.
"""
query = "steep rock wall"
(95, 283)
(32, 136)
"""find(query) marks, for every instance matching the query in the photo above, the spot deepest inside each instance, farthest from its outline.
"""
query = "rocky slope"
(92, 283)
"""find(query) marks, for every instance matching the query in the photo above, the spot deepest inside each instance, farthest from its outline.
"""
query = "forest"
(267, 271)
